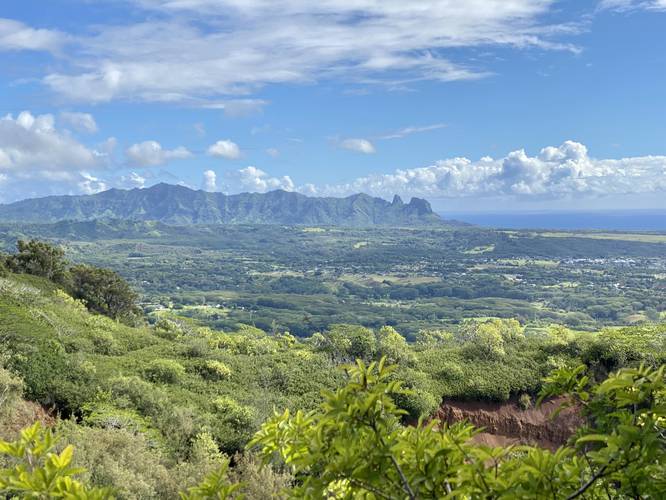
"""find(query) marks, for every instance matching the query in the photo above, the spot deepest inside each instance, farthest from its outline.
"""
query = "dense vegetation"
(305, 279)
(151, 409)
(176, 204)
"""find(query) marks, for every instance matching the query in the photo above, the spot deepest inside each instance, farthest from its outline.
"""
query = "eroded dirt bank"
(506, 423)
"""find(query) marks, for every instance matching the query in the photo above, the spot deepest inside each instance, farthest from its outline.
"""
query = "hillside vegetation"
(151, 409)
(174, 204)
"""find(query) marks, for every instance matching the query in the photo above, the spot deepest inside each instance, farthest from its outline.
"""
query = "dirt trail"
(506, 423)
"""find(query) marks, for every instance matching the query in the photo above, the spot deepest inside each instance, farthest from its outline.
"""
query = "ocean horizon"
(630, 220)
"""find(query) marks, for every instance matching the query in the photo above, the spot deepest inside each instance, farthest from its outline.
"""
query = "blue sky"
(474, 105)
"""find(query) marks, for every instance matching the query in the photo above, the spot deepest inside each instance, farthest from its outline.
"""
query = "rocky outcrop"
(506, 423)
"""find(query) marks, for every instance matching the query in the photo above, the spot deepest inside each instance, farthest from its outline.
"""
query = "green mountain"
(173, 204)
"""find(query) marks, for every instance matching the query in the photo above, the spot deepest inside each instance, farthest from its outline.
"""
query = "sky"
(475, 105)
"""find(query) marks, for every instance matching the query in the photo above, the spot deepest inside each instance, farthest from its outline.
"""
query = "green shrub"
(232, 412)
(168, 329)
(133, 392)
(525, 401)
(418, 400)
(11, 390)
(120, 459)
(215, 370)
(166, 371)
(259, 481)
(39, 472)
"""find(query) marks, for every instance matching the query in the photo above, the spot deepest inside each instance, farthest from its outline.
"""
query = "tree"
(40, 259)
(103, 291)
(344, 343)
(392, 345)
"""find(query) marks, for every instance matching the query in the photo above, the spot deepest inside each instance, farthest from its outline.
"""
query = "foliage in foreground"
(354, 446)
(39, 472)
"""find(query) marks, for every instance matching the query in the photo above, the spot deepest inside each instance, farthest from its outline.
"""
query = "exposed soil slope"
(506, 423)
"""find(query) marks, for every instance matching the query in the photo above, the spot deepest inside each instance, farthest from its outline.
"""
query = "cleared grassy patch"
(638, 237)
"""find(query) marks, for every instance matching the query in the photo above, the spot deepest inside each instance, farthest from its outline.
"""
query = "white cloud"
(624, 5)
(237, 107)
(256, 180)
(90, 184)
(225, 149)
(30, 143)
(359, 145)
(404, 132)
(555, 173)
(273, 152)
(131, 180)
(15, 35)
(200, 128)
(82, 122)
(151, 154)
(38, 158)
(209, 180)
(197, 51)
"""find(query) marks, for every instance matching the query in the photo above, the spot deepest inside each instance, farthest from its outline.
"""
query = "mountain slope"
(180, 205)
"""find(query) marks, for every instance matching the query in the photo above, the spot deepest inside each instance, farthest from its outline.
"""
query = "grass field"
(639, 237)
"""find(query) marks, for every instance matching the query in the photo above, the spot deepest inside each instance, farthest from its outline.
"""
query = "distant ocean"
(637, 220)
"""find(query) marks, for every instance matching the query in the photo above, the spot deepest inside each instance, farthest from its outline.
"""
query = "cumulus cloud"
(359, 145)
(556, 172)
(151, 154)
(38, 158)
(199, 51)
(15, 35)
(209, 181)
(256, 180)
(30, 143)
(225, 149)
(273, 152)
(82, 122)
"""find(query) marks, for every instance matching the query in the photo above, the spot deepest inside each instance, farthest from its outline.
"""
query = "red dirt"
(506, 423)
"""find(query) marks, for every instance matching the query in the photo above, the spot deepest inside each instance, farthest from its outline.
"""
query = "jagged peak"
(422, 206)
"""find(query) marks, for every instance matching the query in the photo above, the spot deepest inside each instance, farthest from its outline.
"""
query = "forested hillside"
(154, 407)
(174, 204)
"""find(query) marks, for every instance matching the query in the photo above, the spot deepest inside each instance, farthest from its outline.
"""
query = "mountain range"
(179, 205)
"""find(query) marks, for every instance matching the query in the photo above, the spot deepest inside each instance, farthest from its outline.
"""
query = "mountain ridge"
(178, 205)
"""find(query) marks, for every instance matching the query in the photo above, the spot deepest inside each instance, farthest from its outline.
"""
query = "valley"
(304, 279)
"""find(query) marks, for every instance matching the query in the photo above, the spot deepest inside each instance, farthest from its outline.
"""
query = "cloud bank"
(556, 172)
